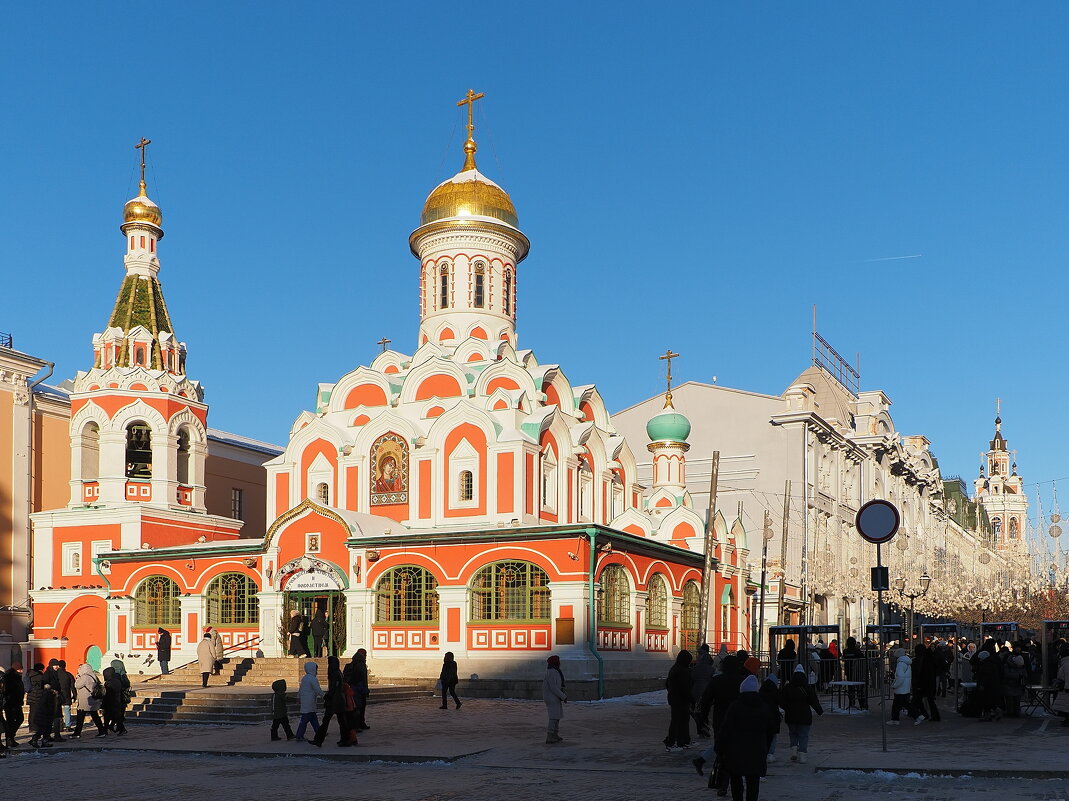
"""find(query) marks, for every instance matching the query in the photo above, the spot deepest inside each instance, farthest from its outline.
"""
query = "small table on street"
(1040, 696)
(843, 688)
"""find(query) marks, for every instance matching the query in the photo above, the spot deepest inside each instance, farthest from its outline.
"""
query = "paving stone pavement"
(494, 749)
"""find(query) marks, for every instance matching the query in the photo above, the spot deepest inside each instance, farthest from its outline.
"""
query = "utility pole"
(783, 552)
(707, 570)
(766, 535)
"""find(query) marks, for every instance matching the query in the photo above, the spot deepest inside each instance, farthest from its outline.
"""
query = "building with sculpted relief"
(462, 497)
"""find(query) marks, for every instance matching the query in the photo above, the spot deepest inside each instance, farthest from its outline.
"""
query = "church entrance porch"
(310, 603)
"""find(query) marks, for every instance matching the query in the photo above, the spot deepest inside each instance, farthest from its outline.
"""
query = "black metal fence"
(6, 340)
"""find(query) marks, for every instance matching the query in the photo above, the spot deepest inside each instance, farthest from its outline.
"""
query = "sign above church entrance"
(312, 580)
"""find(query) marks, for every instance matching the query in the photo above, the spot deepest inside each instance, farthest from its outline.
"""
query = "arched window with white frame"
(479, 285)
(464, 476)
(657, 603)
(443, 287)
(506, 292)
(138, 451)
(549, 480)
(614, 597)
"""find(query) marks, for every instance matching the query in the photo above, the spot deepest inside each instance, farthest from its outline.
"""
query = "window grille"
(507, 294)
(689, 616)
(480, 284)
(510, 591)
(444, 288)
(156, 603)
(323, 494)
(232, 601)
(237, 503)
(467, 485)
(657, 604)
(614, 598)
(406, 595)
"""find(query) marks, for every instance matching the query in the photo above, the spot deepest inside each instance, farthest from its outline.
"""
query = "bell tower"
(138, 423)
(1001, 491)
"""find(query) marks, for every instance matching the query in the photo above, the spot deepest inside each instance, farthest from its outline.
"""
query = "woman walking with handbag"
(90, 694)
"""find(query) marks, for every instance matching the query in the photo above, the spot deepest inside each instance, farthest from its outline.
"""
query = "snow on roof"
(243, 442)
(468, 176)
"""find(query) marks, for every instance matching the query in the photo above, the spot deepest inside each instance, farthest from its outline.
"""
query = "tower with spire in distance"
(1001, 491)
(469, 245)
(138, 423)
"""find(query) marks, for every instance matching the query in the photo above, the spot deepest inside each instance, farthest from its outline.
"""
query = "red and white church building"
(465, 497)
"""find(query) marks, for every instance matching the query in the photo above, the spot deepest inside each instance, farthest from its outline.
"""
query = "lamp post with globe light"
(900, 587)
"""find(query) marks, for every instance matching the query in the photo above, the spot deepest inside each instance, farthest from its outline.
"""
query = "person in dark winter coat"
(51, 676)
(701, 673)
(295, 627)
(45, 711)
(679, 684)
(35, 681)
(356, 674)
(116, 685)
(925, 679)
(333, 705)
(1014, 678)
(799, 701)
(786, 659)
(163, 650)
(65, 688)
(280, 715)
(722, 690)
(14, 694)
(449, 680)
(987, 670)
(742, 741)
(855, 667)
(319, 631)
(769, 693)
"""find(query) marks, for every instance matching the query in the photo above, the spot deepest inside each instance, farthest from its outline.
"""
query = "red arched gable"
(365, 395)
(313, 449)
(438, 386)
(478, 333)
(500, 383)
(552, 398)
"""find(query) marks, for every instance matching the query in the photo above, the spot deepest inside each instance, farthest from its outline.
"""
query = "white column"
(112, 467)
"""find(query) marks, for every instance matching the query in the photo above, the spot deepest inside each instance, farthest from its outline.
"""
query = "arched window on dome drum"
(510, 591)
(467, 485)
(323, 494)
(657, 603)
(506, 296)
(406, 594)
(232, 601)
(156, 603)
(138, 452)
(1013, 528)
(480, 285)
(614, 607)
(443, 287)
(688, 623)
(183, 456)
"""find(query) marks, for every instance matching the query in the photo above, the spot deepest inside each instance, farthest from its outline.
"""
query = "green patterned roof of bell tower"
(140, 303)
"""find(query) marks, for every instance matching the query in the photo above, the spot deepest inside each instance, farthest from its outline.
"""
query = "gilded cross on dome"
(668, 356)
(141, 146)
(470, 146)
(384, 342)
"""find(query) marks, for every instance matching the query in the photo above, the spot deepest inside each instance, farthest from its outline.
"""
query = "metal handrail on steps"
(254, 641)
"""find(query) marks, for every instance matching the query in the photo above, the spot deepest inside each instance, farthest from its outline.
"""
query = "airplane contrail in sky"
(893, 258)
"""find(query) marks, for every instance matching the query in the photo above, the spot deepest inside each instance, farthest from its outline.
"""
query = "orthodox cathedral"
(465, 497)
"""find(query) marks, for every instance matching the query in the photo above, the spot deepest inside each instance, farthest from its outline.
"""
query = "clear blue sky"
(693, 176)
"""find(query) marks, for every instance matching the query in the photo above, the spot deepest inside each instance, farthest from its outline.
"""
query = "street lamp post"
(900, 586)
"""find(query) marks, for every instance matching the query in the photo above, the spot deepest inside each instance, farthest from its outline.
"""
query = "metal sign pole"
(883, 647)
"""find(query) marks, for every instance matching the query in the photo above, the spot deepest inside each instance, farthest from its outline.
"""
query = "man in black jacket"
(855, 665)
(65, 688)
(14, 693)
(163, 649)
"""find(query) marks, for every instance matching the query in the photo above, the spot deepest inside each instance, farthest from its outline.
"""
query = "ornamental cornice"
(473, 231)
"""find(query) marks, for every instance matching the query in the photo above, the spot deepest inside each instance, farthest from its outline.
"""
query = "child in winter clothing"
(279, 713)
(309, 694)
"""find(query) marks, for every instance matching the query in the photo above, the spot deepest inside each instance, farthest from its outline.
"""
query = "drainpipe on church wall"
(29, 487)
(592, 622)
(107, 601)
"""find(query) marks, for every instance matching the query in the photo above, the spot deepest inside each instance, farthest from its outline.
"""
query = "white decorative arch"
(428, 351)
(632, 517)
(506, 369)
(192, 422)
(417, 375)
(89, 413)
(350, 381)
(388, 358)
(139, 410)
(473, 346)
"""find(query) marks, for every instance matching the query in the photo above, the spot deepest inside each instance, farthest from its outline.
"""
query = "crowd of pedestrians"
(58, 702)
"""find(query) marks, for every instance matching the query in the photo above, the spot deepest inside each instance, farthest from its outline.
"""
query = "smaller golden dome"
(469, 193)
(142, 210)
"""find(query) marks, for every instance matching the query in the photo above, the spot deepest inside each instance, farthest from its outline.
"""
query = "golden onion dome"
(469, 193)
(142, 210)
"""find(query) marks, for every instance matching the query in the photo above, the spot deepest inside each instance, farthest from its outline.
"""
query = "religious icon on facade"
(389, 470)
